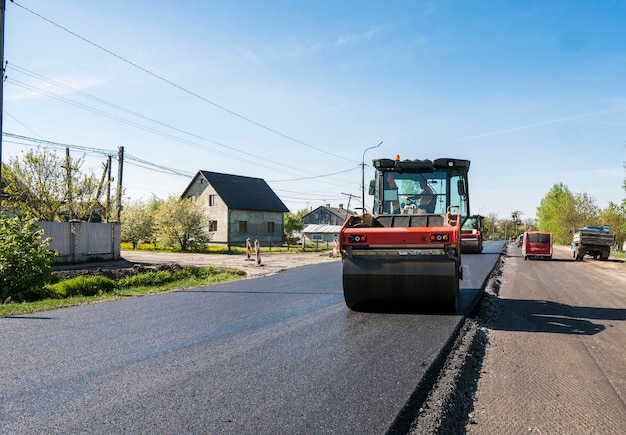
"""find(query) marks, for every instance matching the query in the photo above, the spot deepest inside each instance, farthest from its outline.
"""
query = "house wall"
(197, 186)
(217, 212)
(256, 226)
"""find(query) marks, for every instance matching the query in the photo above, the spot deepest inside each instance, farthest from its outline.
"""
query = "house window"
(212, 200)
(270, 227)
(212, 225)
(243, 226)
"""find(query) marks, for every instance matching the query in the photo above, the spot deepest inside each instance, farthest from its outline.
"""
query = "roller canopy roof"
(420, 165)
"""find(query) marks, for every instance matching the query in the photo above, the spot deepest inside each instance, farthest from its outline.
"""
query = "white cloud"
(355, 38)
(541, 124)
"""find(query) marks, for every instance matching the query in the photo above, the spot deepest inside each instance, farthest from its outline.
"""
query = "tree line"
(562, 211)
(49, 187)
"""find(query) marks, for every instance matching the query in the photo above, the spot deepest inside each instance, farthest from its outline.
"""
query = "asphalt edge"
(442, 402)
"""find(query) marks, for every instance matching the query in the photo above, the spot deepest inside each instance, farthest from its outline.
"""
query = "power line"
(129, 158)
(317, 176)
(144, 164)
(21, 123)
(152, 130)
(138, 125)
(177, 86)
(132, 160)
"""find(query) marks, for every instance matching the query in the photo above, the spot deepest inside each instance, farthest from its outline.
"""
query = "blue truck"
(593, 241)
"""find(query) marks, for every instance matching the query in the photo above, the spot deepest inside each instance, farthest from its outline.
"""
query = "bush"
(25, 260)
(82, 286)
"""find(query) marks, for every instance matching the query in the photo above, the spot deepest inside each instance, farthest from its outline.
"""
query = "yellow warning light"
(397, 157)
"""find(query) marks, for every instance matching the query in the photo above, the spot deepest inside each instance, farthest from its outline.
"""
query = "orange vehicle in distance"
(537, 244)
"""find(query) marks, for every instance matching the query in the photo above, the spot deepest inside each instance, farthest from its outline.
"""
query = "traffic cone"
(248, 249)
(258, 252)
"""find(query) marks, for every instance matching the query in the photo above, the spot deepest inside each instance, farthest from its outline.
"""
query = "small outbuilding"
(320, 233)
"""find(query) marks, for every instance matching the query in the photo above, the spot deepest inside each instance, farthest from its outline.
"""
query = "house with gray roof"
(323, 223)
(239, 208)
(327, 215)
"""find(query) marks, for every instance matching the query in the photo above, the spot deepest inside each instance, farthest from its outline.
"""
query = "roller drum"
(424, 284)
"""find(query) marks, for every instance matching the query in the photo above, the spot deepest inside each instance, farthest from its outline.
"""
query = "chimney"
(327, 205)
(341, 206)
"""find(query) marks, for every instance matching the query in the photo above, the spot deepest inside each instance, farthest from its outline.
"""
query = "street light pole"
(2, 9)
(363, 175)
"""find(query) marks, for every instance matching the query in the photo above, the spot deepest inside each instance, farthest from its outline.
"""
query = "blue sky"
(532, 92)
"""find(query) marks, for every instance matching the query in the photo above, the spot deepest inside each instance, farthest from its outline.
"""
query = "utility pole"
(363, 175)
(108, 206)
(2, 8)
(120, 169)
(99, 191)
(68, 171)
(350, 196)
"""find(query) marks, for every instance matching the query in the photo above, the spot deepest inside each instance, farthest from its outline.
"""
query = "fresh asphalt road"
(277, 354)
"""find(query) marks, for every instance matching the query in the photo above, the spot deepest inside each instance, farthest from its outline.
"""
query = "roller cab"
(406, 253)
(472, 233)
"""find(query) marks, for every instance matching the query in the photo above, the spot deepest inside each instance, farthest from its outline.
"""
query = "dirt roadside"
(133, 262)
(270, 264)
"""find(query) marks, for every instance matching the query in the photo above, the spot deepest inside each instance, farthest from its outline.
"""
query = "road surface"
(275, 354)
(556, 358)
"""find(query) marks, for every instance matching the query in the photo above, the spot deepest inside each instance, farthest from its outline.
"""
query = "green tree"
(183, 223)
(587, 211)
(25, 260)
(557, 213)
(49, 187)
(302, 213)
(562, 211)
(137, 222)
(490, 223)
(293, 225)
(615, 216)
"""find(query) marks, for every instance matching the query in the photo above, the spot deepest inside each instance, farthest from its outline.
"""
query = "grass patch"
(82, 286)
(82, 290)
